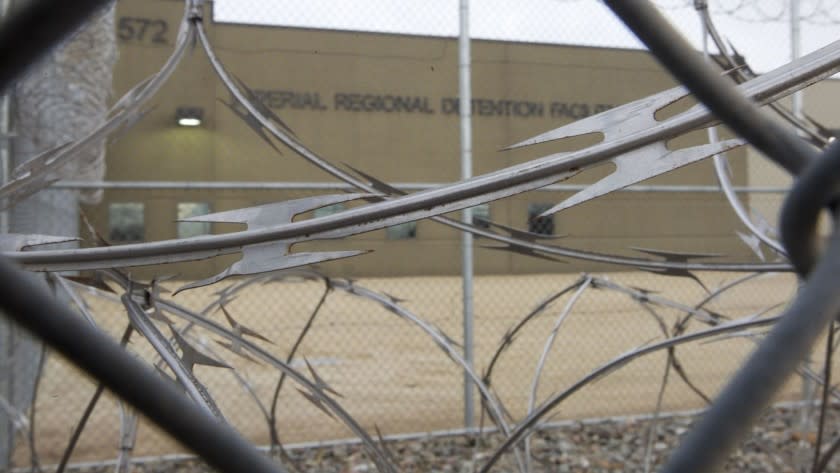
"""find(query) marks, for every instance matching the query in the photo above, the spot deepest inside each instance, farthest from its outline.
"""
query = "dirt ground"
(394, 377)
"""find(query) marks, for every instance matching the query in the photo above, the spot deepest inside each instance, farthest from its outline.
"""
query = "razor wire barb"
(637, 149)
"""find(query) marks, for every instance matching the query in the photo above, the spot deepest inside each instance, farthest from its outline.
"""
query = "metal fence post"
(5, 133)
(7, 430)
(797, 103)
(466, 172)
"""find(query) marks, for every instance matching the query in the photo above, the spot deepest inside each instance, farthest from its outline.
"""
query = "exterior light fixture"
(189, 116)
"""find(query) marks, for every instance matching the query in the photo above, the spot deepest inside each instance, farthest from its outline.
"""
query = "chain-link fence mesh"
(391, 375)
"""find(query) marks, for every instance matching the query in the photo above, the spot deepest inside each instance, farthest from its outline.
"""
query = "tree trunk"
(58, 101)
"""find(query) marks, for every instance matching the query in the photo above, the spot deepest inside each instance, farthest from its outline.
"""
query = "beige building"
(387, 104)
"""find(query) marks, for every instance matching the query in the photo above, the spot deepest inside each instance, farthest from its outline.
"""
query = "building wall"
(317, 82)
(819, 104)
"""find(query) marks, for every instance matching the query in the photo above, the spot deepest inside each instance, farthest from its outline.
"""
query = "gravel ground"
(776, 445)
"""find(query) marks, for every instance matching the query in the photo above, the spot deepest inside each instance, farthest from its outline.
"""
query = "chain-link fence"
(393, 376)
(391, 373)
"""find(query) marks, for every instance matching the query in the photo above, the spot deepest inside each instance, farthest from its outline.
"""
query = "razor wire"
(759, 28)
(644, 138)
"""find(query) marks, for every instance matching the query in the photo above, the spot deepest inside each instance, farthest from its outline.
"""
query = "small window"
(481, 215)
(192, 209)
(126, 223)
(403, 231)
(537, 224)
(328, 210)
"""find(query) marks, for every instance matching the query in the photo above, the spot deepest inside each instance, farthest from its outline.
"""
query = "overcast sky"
(759, 29)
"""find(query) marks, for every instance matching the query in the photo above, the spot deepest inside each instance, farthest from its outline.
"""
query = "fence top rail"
(406, 186)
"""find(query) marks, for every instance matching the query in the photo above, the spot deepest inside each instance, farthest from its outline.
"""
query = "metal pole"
(797, 103)
(7, 329)
(5, 132)
(405, 186)
(465, 94)
(795, 52)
